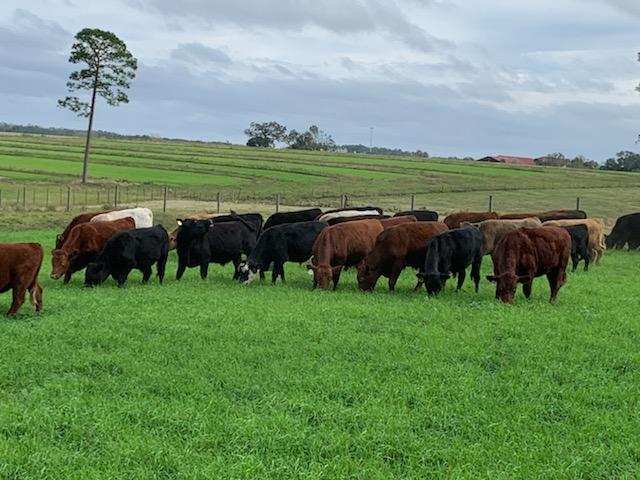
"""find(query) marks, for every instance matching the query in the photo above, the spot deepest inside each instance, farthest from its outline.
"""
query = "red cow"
(341, 246)
(78, 220)
(395, 221)
(527, 253)
(455, 219)
(83, 244)
(19, 267)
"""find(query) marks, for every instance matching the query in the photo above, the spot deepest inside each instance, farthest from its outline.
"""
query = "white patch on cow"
(347, 213)
(143, 217)
(310, 272)
(252, 276)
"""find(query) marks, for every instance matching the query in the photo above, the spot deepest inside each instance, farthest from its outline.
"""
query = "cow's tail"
(246, 224)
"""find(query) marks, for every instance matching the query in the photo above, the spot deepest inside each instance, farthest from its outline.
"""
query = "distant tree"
(265, 134)
(110, 67)
(553, 160)
(312, 139)
(624, 162)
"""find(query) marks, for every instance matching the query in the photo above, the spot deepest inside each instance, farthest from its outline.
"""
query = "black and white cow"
(291, 242)
(201, 242)
(138, 248)
(298, 216)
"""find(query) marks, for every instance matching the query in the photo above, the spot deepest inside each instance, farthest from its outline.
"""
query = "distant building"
(509, 160)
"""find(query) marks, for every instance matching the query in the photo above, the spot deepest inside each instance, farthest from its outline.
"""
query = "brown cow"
(494, 230)
(595, 226)
(83, 244)
(399, 247)
(455, 219)
(527, 253)
(546, 216)
(341, 246)
(19, 267)
(77, 220)
(395, 221)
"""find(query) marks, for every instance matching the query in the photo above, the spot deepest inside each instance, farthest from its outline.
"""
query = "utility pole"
(370, 139)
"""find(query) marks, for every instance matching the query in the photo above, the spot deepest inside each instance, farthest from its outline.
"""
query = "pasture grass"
(210, 379)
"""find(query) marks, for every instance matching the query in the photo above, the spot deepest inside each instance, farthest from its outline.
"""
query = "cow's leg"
(18, 299)
(261, 275)
(35, 296)
(556, 280)
(418, 286)
(236, 265)
(462, 274)
(204, 270)
(526, 288)
(161, 267)
(146, 273)
(282, 273)
(67, 276)
(587, 259)
(336, 276)
(121, 277)
(396, 270)
(574, 261)
(181, 268)
(475, 271)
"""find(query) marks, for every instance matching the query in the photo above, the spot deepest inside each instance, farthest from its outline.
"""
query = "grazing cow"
(394, 221)
(298, 216)
(454, 220)
(290, 242)
(596, 234)
(421, 215)
(142, 216)
(331, 215)
(494, 230)
(201, 242)
(579, 245)
(139, 248)
(451, 252)
(337, 220)
(341, 246)
(79, 219)
(255, 219)
(83, 245)
(19, 267)
(546, 216)
(626, 231)
(527, 253)
(398, 247)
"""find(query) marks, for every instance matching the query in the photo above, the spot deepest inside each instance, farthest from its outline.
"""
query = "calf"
(139, 248)
(83, 245)
(579, 245)
(395, 249)
(298, 216)
(143, 217)
(451, 253)
(454, 220)
(626, 231)
(595, 226)
(421, 215)
(291, 242)
(341, 246)
(493, 230)
(77, 220)
(19, 267)
(201, 242)
(527, 253)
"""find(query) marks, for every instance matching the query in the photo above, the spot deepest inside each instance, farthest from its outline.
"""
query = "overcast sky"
(452, 77)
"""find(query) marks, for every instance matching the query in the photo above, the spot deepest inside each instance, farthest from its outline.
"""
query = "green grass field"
(201, 380)
(193, 170)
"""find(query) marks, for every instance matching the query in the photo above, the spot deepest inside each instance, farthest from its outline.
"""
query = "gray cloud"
(199, 54)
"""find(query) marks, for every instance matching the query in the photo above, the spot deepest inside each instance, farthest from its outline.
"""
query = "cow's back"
(454, 220)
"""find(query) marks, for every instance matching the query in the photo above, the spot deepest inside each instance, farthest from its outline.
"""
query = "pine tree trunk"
(87, 146)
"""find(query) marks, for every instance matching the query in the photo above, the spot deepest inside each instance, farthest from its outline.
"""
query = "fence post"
(490, 203)
(46, 202)
(413, 202)
(68, 198)
(277, 203)
(34, 197)
(577, 203)
(0, 197)
(218, 201)
(24, 197)
(86, 197)
(115, 197)
(164, 202)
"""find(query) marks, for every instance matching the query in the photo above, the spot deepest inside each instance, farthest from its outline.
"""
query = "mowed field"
(304, 178)
(211, 379)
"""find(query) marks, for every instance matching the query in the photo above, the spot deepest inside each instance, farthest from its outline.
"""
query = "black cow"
(298, 216)
(201, 242)
(579, 245)
(626, 231)
(450, 253)
(138, 248)
(421, 215)
(280, 244)
(254, 219)
(360, 209)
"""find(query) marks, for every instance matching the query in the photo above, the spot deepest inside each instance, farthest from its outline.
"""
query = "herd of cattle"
(522, 246)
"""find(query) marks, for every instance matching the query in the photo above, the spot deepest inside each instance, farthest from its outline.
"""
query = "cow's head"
(189, 230)
(367, 277)
(506, 285)
(95, 274)
(247, 271)
(322, 275)
(435, 282)
(60, 261)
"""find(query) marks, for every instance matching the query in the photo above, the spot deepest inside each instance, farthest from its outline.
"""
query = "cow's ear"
(492, 278)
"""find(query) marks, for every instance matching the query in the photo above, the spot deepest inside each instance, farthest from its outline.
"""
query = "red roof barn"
(508, 160)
